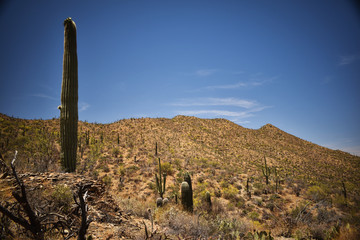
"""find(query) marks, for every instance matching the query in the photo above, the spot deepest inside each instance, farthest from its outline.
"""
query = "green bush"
(167, 168)
(107, 180)
(230, 192)
(339, 201)
(253, 215)
(62, 197)
(115, 151)
(316, 193)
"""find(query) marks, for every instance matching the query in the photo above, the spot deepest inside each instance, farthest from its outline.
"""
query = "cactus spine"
(266, 172)
(160, 182)
(69, 99)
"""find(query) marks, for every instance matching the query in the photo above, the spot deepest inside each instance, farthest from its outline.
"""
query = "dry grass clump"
(177, 222)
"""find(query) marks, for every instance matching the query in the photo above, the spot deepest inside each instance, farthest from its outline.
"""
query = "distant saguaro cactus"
(69, 99)
(266, 172)
(208, 200)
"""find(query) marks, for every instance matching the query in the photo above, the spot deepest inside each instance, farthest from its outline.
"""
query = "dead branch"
(33, 225)
(85, 221)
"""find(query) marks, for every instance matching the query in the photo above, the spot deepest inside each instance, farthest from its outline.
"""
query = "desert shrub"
(270, 206)
(259, 186)
(177, 163)
(348, 232)
(318, 231)
(253, 215)
(121, 170)
(136, 207)
(230, 192)
(300, 214)
(316, 193)
(107, 180)
(231, 228)
(325, 216)
(152, 186)
(258, 201)
(339, 201)
(63, 197)
(167, 168)
(177, 222)
(131, 169)
(240, 202)
(106, 168)
(115, 151)
(230, 206)
(180, 177)
(217, 206)
(224, 184)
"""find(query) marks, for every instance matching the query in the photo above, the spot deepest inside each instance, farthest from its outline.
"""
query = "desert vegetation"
(244, 182)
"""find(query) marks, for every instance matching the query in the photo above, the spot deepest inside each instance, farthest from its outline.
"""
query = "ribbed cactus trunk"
(69, 99)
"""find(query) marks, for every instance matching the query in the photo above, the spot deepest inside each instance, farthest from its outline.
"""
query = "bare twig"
(33, 225)
(85, 221)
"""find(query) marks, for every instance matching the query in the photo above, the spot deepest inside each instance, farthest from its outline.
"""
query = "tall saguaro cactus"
(69, 99)
(160, 181)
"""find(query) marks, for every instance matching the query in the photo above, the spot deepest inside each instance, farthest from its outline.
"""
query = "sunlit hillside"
(312, 191)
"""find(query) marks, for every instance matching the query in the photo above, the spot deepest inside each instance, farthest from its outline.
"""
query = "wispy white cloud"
(216, 113)
(41, 95)
(236, 116)
(251, 82)
(228, 86)
(235, 102)
(83, 106)
(205, 72)
(346, 60)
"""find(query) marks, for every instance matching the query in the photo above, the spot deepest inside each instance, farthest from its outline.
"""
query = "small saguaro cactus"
(156, 149)
(186, 198)
(266, 172)
(69, 99)
(160, 181)
(187, 179)
(248, 188)
(188, 195)
(208, 200)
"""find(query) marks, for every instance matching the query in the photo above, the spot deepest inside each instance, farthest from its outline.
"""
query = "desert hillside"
(258, 180)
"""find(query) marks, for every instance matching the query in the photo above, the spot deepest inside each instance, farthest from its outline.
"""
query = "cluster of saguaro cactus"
(266, 172)
(160, 181)
(186, 193)
(69, 99)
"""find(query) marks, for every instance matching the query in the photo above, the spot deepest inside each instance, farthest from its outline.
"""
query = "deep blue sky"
(294, 64)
